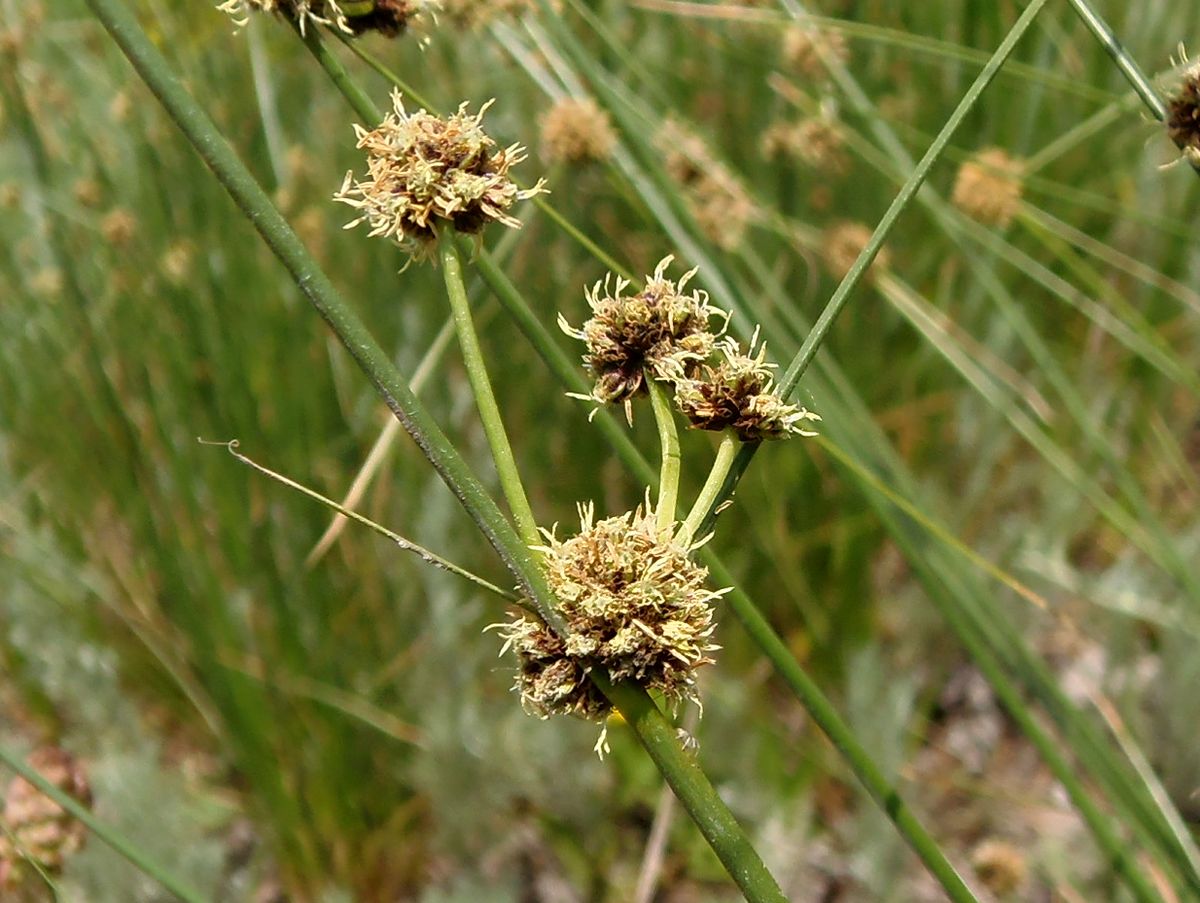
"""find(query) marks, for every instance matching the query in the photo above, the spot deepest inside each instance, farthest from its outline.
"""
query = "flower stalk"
(481, 386)
(668, 436)
(726, 451)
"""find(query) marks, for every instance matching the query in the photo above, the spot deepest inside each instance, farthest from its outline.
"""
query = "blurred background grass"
(344, 731)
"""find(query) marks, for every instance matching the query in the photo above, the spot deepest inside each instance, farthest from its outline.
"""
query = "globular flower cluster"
(478, 13)
(424, 171)
(37, 834)
(634, 604)
(1183, 114)
(388, 17)
(718, 202)
(738, 394)
(576, 130)
(661, 332)
(809, 51)
(817, 142)
(988, 187)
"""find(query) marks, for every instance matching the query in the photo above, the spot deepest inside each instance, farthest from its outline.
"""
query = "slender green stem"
(668, 475)
(406, 544)
(701, 799)
(110, 836)
(1126, 63)
(341, 318)
(657, 736)
(824, 323)
(726, 451)
(481, 386)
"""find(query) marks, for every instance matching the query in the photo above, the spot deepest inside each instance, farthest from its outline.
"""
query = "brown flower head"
(842, 242)
(809, 51)
(816, 142)
(739, 394)
(1000, 865)
(635, 604)
(35, 830)
(477, 13)
(988, 187)
(659, 333)
(716, 199)
(388, 17)
(1183, 113)
(423, 171)
(576, 130)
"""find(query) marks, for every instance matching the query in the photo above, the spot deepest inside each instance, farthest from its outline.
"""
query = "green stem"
(110, 836)
(820, 331)
(341, 318)
(658, 737)
(404, 543)
(481, 386)
(701, 799)
(668, 475)
(730, 443)
(1126, 63)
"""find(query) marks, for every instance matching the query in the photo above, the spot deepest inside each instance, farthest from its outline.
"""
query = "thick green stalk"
(824, 323)
(654, 732)
(726, 451)
(724, 835)
(481, 386)
(113, 838)
(345, 323)
(1129, 68)
(668, 474)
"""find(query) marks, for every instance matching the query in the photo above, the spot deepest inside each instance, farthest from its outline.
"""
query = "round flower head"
(1183, 113)
(809, 50)
(659, 333)
(817, 142)
(738, 394)
(988, 187)
(389, 17)
(634, 603)
(718, 202)
(36, 834)
(841, 244)
(424, 171)
(576, 130)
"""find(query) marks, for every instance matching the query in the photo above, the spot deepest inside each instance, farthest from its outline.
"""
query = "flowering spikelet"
(477, 13)
(1000, 865)
(1183, 113)
(988, 187)
(809, 50)
(659, 333)
(817, 142)
(841, 244)
(716, 199)
(388, 17)
(576, 130)
(634, 603)
(34, 830)
(423, 170)
(738, 393)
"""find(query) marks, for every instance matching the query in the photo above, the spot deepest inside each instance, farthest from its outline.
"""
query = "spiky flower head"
(1183, 112)
(988, 187)
(34, 830)
(809, 50)
(661, 332)
(576, 130)
(388, 17)
(738, 393)
(634, 603)
(424, 171)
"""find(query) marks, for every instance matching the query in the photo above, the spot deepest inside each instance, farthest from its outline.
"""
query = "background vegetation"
(1005, 485)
